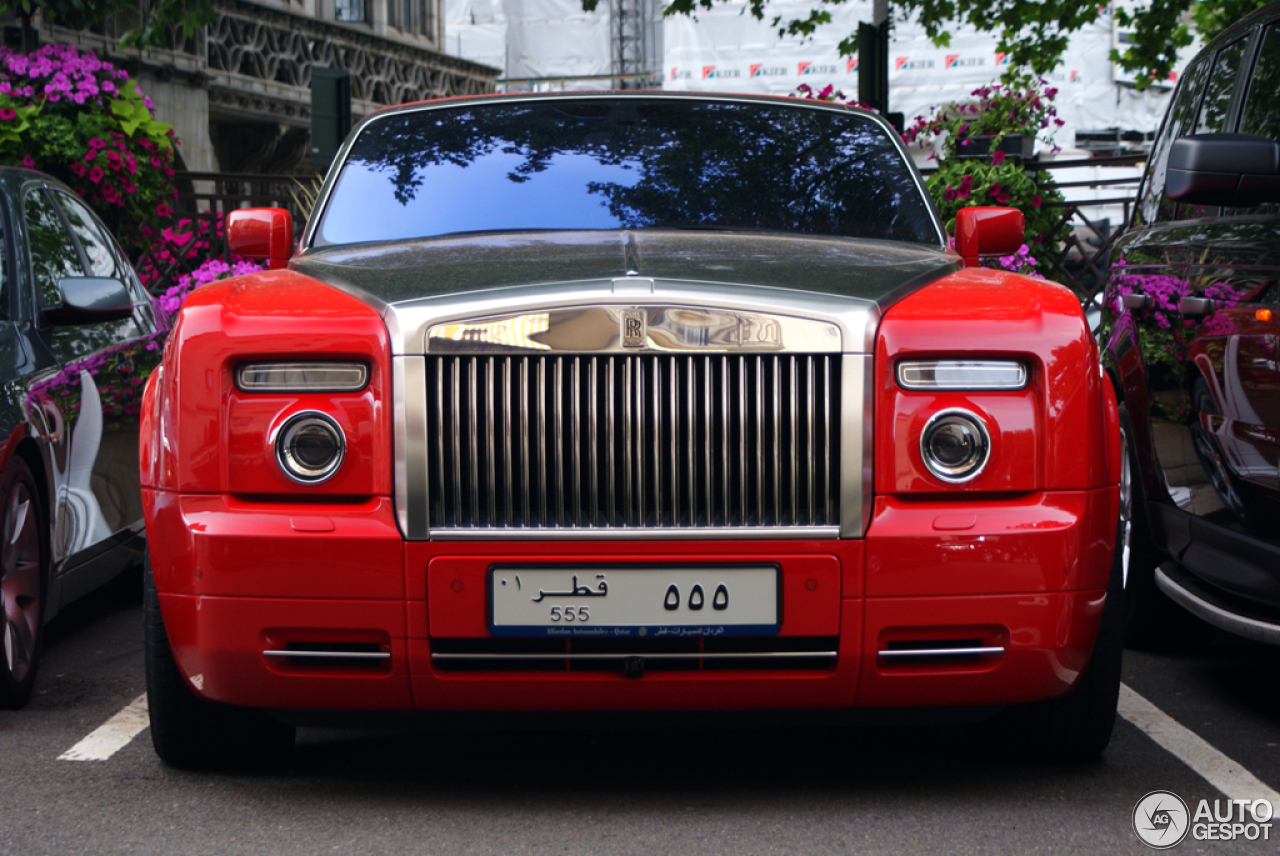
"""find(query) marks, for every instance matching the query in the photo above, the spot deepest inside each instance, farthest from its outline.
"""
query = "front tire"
(22, 584)
(1078, 725)
(188, 731)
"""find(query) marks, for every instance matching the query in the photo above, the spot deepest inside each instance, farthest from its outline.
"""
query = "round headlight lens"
(310, 447)
(955, 445)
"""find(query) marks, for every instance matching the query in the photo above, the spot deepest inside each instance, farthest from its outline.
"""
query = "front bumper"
(1021, 579)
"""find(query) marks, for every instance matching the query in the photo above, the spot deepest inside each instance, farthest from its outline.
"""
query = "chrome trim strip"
(826, 447)
(524, 437)
(491, 428)
(777, 441)
(722, 655)
(795, 439)
(577, 440)
(708, 420)
(813, 533)
(675, 446)
(330, 655)
(691, 421)
(627, 426)
(760, 441)
(1249, 628)
(473, 450)
(743, 503)
(542, 443)
(812, 465)
(593, 464)
(857, 396)
(456, 415)
(640, 414)
(610, 472)
(507, 499)
(724, 438)
(409, 397)
(559, 441)
(926, 653)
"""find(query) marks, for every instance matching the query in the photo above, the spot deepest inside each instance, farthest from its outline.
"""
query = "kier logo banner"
(906, 63)
(759, 69)
(1002, 59)
(804, 68)
(710, 72)
(681, 74)
(851, 65)
(959, 61)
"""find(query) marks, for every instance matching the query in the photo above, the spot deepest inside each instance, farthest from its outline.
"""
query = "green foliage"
(964, 182)
(83, 121)
(80, 14)
(1161, 28)
(1033, 34)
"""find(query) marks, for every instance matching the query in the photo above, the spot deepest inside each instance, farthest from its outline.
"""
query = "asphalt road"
(592, 790)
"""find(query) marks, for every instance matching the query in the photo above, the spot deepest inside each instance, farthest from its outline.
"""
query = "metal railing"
(1081, 262)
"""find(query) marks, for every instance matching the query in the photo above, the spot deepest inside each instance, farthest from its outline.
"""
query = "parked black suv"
(1193, 346)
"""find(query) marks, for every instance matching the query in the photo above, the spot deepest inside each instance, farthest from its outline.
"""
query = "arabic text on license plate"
(622, 602)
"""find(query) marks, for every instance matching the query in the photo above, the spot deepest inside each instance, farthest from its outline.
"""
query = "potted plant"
(1005, 117)
(976, 168)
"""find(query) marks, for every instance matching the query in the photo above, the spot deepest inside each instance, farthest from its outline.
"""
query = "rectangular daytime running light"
(302, 377)
(961, 375)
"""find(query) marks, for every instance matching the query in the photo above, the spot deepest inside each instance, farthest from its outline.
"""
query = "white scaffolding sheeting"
(553, 41)
(726, 50)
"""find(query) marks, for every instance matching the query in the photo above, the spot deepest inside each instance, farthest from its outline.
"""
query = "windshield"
(624, 163)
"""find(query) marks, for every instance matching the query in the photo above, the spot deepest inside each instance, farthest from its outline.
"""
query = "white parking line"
(1191, 749)
(113, 735)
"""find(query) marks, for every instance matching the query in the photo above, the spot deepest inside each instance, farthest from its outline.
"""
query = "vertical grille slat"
(583, 420)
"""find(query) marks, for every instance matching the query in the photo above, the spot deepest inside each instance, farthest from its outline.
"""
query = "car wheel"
(188, 731)
(1153, 621)
(1077, 726)
(22, 584)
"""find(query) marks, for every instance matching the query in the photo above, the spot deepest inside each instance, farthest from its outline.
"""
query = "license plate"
(621, 602)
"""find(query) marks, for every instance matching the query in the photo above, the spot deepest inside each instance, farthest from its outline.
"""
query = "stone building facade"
(239, 91)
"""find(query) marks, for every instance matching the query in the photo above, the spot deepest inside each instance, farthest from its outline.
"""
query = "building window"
(349, 11)
(412, 17)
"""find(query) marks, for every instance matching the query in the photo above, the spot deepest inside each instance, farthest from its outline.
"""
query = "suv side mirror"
(89, 300)
(1223, 169)
(983, 231)
(261, 234)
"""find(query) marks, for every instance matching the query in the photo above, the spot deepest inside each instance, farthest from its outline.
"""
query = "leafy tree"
(1034, 34)
(153, 16)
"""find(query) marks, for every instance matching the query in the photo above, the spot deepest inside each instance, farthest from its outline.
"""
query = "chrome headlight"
(955, 445)
(302, 377)
(310, 447)
(979, 375)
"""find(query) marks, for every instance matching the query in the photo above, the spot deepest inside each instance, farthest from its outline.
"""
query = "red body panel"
(247, 561)
(977, 314)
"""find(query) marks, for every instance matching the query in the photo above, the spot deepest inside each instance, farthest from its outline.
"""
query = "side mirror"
(261, 234)
(988, 232)
(1223, 169)
(89, 300)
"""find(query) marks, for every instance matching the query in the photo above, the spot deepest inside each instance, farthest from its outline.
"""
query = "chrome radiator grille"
(632, 442)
